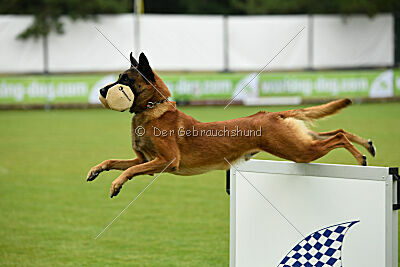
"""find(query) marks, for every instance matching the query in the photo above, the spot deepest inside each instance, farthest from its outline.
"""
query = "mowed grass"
(49, 214)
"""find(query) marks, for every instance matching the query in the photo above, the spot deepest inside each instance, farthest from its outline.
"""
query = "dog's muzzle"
(103, 92)
(118, 97)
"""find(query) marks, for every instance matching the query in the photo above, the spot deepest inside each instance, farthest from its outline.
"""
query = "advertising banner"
(209, 86)
(330, 84)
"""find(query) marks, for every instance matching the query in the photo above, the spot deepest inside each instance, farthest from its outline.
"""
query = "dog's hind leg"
(352, 138)
(320, 148)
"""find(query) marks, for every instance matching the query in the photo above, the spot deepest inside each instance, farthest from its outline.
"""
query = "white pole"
(137, 7)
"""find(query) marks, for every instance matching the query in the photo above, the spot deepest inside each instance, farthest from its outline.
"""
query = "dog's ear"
(144, 68)
(134, 63)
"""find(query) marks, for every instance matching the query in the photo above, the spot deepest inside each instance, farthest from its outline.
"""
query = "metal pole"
(45, 55)
(310, 42)
(137, 7)
(226, 43)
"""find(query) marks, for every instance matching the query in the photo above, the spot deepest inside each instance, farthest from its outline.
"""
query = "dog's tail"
(318, 112)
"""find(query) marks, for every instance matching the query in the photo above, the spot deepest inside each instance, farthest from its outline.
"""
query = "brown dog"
(166, 139)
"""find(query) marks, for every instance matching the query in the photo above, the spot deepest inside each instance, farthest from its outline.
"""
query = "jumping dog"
(284, 134)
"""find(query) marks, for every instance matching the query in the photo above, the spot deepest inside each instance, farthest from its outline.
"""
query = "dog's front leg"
(112, 164)
(157, 165)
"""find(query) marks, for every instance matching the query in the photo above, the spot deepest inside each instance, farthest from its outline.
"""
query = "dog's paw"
(364, 161)
(115, 191)
(93, 173)
(116, 186)
(372, 148)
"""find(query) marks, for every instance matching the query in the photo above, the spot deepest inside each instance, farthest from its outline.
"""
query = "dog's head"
(144, 84)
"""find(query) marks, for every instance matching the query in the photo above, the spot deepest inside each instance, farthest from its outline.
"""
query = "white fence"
(84, 49)
(15, 55)
(289, 214)
(352, 42)
(203, 43)
(187, 43)
(254, 40)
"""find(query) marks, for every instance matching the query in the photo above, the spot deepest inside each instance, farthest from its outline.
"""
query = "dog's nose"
(103, 92)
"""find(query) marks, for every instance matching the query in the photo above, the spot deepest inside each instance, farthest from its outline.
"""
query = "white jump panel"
(278, 205)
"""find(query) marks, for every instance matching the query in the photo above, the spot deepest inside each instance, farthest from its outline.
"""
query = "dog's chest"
(141, 141)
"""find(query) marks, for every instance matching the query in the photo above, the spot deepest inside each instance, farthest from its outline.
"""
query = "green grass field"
(50, 214)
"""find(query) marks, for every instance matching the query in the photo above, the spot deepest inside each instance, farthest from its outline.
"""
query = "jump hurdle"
(289, 214)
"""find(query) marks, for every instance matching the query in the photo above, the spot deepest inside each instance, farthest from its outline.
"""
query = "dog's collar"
(151, 105)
